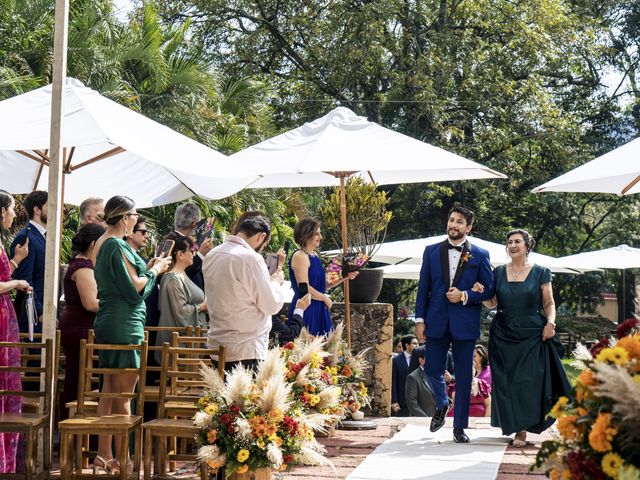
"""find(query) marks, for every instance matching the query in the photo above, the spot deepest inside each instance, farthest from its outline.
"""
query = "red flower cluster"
(288, 346)
(228, 421)
(234, 408)
(291, 426)
(583, 467)
(598, 346)
(626, 327)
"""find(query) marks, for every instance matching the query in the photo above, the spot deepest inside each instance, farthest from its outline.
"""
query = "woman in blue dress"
(305, 267)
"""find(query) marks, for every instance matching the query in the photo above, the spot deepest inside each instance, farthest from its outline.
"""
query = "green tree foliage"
(517, 86)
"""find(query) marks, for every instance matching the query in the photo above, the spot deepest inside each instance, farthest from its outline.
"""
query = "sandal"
(520, 440)
(105, 467)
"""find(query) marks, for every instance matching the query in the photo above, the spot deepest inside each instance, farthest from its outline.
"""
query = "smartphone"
(272, 263)
(167, 248)
(303, 288)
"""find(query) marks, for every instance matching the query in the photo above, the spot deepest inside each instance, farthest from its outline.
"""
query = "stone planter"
(366, 287)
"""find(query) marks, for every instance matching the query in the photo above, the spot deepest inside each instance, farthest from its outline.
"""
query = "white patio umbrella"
(341, 144)
(615, 172)
(621, 258)
(405, 257)
(108, 150)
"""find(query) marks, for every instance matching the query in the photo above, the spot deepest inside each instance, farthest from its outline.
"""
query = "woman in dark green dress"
(123, 282)
(527, 373)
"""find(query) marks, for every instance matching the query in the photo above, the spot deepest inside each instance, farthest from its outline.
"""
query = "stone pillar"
(371, 327)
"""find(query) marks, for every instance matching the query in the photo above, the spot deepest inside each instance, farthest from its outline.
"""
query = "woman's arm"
(87, 288)
(351, 276)
(487, 406)
(300, 264)
(489, 303)
(549, 311)
(13, 284)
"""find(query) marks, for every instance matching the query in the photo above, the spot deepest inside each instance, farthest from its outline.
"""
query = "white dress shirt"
(241, 297)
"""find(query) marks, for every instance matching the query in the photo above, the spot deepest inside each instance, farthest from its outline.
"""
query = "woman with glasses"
(123, 283)
(182, 303)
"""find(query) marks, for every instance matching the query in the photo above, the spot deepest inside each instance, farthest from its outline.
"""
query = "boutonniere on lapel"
(465, 257)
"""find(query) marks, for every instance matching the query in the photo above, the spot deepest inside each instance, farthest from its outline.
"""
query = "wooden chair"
(74, 430)
(30, 423)
(181, 386)
(152, 389)
(27, 358)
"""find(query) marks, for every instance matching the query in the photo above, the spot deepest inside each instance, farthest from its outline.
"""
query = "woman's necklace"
(515, 275)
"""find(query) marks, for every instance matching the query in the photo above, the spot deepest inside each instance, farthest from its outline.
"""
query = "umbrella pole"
(55, 201)
(343, 214)
(621, 318)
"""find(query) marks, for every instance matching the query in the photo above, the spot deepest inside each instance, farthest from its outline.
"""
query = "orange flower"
(583, 383)
(568, 428)
(212, 435)
(346, 371)
(243, 468)
(602, 433)
(632, 345)
(258, 426)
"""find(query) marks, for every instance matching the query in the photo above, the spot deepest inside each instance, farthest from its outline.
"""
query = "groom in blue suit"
(450, 311)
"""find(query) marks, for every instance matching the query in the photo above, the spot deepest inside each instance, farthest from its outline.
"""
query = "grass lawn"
(572, 372)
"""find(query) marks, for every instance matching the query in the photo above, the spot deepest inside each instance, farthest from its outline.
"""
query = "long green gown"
(527, 373)
(122, 311)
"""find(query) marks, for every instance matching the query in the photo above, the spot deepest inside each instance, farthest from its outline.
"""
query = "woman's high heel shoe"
(103, 467)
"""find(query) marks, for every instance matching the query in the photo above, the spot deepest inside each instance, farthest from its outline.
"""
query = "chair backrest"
(180, 379)
(89, 372)
(31, 372)
(187, 331)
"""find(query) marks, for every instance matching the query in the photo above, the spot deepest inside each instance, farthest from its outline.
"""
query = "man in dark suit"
(419, 396)
(31, 269)
(287, 332)
(399, 374)
(450, 311)
(186, 217)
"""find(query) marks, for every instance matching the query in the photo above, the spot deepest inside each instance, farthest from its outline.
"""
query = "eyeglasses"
(132, 214)
(142, 231)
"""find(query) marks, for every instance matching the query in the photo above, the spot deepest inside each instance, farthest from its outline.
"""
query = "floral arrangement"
(340, 266)
(599, 426)
(248, 423)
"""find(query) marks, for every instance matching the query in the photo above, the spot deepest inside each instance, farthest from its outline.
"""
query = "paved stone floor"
(348, 448)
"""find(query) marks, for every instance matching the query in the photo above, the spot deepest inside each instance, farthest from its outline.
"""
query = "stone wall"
(371, 327)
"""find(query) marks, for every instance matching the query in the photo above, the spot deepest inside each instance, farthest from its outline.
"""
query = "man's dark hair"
(37, 198)
(421, 352)
(465, 212)
(406, 340)
(253, 225)
(139, 222)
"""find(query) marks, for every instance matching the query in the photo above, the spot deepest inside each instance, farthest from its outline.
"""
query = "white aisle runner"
(415, 453)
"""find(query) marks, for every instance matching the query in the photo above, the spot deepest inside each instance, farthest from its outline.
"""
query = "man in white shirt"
(241, 295)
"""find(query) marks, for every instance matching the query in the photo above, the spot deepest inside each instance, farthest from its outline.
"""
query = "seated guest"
(481, 363)
(81, 295)
(287, 332)
(399, 374)
(480, 402)
(182, 302)
(418, 394)
(449, 373)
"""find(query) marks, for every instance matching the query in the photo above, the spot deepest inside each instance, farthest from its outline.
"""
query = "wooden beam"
(97, 158)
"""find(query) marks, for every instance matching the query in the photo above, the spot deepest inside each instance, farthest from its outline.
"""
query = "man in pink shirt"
(241, 295)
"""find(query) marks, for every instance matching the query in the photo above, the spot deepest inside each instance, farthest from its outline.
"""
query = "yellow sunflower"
(632, 345)
(556, 411)
(243, 455)
(611, 464)
(616, 355)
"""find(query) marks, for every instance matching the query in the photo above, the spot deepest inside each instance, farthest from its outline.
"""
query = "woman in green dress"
(123, 281)
(527, 373)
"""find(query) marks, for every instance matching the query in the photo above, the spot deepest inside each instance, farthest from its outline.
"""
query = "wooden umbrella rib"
(35, 158)
(67, 166)
(97, 158)
(631, 185)
(38, 175)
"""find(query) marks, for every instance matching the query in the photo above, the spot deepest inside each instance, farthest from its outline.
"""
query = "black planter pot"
(365, 288)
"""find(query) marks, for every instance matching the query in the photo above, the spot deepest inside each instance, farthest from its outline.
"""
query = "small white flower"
(201, 419)
(274, 454)
(243, 429)
(208, 453)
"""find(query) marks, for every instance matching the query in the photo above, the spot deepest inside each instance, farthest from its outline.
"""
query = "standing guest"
(288, 332)
(81, 296)
(10, 460)
(399, 374)
(241, 295)
(527, 373)
(186, 218)
(31, 269)
(138, 238)
(451, 311)
(89, 210)
(397, 350)
(418, 395)
(123, 283)
(306, 267)
(182, 302)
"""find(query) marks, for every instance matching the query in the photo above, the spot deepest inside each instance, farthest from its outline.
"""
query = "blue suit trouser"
(436, 361)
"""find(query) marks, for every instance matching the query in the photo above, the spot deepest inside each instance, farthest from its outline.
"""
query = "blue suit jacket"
(463, 321)
(399, 374)
(31, 269)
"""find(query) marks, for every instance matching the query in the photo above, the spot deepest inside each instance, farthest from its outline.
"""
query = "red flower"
(583, 467)
(626, 327)
(288, 346)
(290, 426)
(287, 458)
(234, 408)
(598, 346)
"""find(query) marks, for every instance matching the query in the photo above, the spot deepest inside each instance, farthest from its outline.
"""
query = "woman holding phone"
(123, 282)
(306, 269)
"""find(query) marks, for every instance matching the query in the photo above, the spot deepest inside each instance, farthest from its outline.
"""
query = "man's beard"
(43, 218)
(455, 235)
